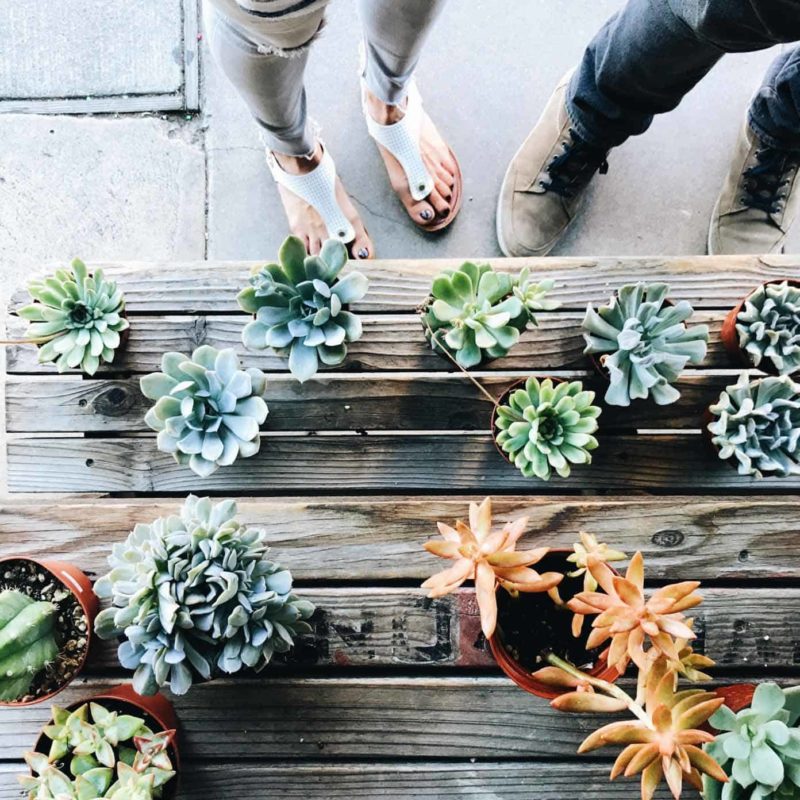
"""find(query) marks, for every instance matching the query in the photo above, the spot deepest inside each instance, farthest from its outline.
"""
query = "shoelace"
(765, 180)
(571, 170)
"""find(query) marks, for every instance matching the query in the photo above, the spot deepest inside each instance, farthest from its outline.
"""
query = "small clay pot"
(730, 337)
(79, 585)
(737, 696)
(523, 678)
(514, 386)
(158, 713)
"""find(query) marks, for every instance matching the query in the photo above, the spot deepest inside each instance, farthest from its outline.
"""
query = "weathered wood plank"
(402, 284)
(391, 342)
(365, 539)
(512, 780)
(426, 463)
(379, 627)
(334, 403)
(340, 718)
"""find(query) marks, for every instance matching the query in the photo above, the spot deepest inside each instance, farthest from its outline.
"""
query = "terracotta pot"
(524, 679)
(514, 386)
(730, 338)
(79, 585)
(737, 696)
(159, 715)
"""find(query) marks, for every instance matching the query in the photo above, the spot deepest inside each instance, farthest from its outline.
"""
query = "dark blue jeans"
(651, 53)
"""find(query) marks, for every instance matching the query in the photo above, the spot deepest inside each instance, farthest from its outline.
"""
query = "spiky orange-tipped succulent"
(630, 620)
(587, 555)
(489, 558)
(664, 742)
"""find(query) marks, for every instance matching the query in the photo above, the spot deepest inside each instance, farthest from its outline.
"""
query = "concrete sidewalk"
(194, 185)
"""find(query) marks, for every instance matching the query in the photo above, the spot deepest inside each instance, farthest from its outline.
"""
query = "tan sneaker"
(758, 201)
(545, 182)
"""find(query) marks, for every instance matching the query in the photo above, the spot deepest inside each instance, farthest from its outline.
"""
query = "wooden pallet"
(395, 695)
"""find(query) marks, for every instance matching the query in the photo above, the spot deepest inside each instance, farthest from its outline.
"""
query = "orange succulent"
(664, 742)
(489, 558)
(629, 619)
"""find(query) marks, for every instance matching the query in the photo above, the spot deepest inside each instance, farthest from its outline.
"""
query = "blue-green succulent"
(195, 596)
(758, 747)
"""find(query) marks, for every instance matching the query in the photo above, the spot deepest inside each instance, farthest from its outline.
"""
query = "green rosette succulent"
(208, 412)
(300, 307)
(545, 427)
(758, 747)
(758, 423)
(643, 342)
(195, 596)
(96, 752)
(475, 314)
(533, 294)
(76, 318)
(769, 327)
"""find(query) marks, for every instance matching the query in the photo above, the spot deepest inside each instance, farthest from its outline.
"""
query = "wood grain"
(510, 780)
(391, 342)
(425, 463)
(377, 627)
(401, 285)
(367, 539)
(336, 403)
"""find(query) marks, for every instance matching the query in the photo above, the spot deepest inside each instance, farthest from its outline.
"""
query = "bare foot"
(306, 223)
(437, 159)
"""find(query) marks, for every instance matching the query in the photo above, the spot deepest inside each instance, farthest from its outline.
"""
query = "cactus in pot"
(300, 307)
(476, 314)
(643, 343)
(758, 424)
(195, 596)
(27, 642)
(768, 327)
(758, 747)
(545, 426)
(76, 318)
(99, 753)
(208, 412)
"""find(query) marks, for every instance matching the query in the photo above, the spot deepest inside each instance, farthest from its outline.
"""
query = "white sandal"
(402, 140)
(318, 189)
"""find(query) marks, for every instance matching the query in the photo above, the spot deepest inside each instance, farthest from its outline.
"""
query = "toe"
(439, 203)
(316, 246)
(422, 211)
(361, 248)
(444, 189)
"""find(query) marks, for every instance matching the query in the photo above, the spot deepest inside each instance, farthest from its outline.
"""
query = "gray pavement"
(160, 186)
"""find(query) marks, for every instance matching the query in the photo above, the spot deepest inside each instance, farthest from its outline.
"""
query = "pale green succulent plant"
(758, 747)
(195, 596)
(769, 327)
(208, 411)
(27, 642)
(758, 423)
(96, 752)
(76, 317)
(545, 427)
(300, 307)
(643, 342)
(477, 314)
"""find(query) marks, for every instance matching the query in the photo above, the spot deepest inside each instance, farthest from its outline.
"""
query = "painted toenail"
(426, 214)
(363, 252)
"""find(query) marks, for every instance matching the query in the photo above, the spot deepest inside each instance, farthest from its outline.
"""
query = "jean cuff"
(767, 138)
(301, 145)
(578, 125)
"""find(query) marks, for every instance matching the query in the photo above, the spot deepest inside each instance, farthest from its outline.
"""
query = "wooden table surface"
(395, 695)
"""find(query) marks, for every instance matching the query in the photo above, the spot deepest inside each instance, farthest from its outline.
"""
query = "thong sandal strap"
(318, 189)
(402, 140)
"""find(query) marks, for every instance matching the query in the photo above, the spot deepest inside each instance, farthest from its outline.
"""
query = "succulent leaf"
(758, 747)
(758, 423)
(76, 318)
(195, 596)
(643, 342)
(547, 426)
(208, 412)
(477, 314)
(300, 307)
(769, 326)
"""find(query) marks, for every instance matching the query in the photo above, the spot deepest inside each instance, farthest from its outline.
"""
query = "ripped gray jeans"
(263, 45)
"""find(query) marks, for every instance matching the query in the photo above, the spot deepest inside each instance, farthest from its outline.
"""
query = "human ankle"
(384, 113)
(299, 165)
